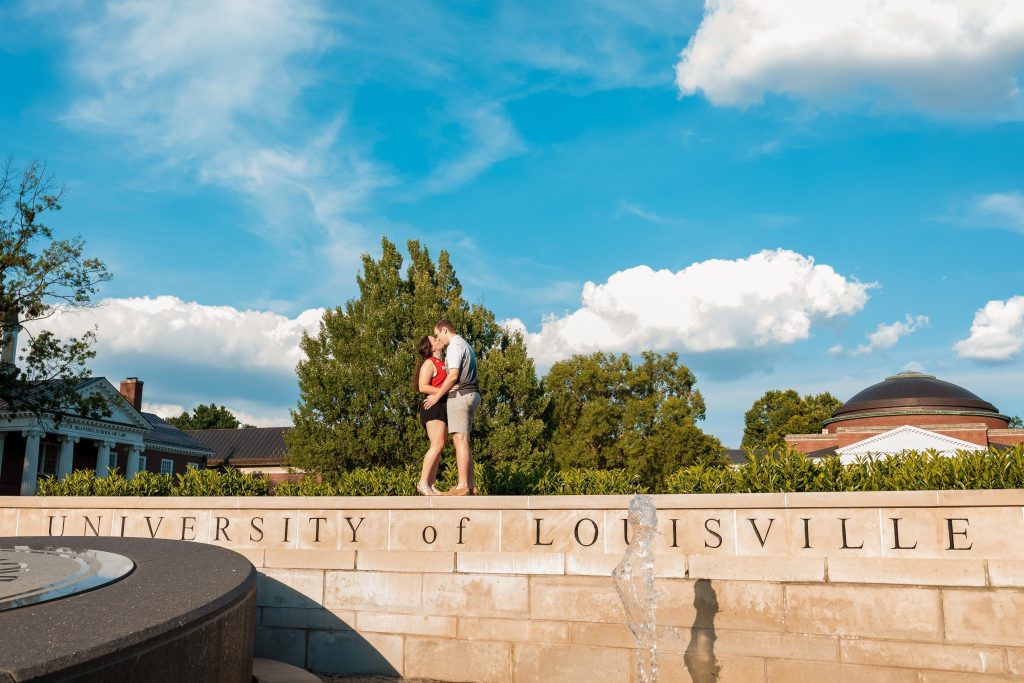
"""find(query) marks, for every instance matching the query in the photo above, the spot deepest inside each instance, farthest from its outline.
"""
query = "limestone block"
(942, 656)
(310, 559)
(402, 624)
(678, 668)
(405, 561)
(307, 618)
(510, 563)
(759, 569)
(515, 630)
(668, 565)
(476, 595)
(374, 591)
(350, 652)
(247, 529)
(554, 531)
(257, 557)
(445, 530)
(8, 521)
(868, 611)
(791, 671)
(303, 588)
(1006, 573)
(457, 660)
(763, 644)
(559, 663)
(741, 605)
(364, 529)
(991, 617)
(282, 644)
(915, 572)
(953, 533)
(576, 599)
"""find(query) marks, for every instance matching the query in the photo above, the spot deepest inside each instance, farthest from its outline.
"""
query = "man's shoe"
(458, 491)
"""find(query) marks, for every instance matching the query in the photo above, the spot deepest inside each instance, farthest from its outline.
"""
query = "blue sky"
(788, 197)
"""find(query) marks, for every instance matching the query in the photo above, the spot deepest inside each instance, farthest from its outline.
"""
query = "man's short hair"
(444, 325)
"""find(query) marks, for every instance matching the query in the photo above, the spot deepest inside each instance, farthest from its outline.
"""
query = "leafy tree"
(210, 416)
(778, 413)
(40, 275)
(358, 405)
(1016, 422)
(607, 412)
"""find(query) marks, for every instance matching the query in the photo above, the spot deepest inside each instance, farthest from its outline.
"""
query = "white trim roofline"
(906, 438)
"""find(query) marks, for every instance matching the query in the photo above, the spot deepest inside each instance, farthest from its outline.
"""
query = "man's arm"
(446, 386)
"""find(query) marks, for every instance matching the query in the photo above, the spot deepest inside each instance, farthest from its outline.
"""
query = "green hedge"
(778, 471)
(787, 470)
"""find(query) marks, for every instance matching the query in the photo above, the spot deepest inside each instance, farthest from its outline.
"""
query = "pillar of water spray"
(634, 581)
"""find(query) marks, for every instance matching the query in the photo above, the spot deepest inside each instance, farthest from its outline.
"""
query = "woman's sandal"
(425, 490)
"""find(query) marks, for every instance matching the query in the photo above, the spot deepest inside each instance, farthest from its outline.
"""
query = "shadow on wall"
(293, 628)
(700, 658)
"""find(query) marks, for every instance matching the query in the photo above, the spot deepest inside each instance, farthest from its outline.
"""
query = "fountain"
(634, 581)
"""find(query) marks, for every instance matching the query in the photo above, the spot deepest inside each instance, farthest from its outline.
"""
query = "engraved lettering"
(123, 519)
(185, 527)
(953, 533)
(896, 536)
(625, 530)
(537, 540)
(149, 523)
(63, 521)
(462, 527)
(316, 535)
(807, 531)
(846, 545)
(675, 544)
(222, 528)
(354, 528)
(287, 521)
(753, 523)
(433, 534)
(717, 535)
(258, 529)
(89, 525)
(576, 532)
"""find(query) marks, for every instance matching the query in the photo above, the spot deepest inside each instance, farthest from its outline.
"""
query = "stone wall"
(922, 587)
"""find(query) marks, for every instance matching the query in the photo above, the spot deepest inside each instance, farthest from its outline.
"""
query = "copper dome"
(914, 393)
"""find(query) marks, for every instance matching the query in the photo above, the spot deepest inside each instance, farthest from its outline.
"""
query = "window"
(48, 454)
(112, 460)
(166, 466)
(142, 463)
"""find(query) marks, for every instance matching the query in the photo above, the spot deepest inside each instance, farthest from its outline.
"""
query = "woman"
(429, 377)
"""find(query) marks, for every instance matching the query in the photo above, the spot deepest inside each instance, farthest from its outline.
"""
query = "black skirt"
(438, 411)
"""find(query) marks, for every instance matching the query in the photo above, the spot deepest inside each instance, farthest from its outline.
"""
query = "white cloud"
(950, 57)
(769, 298)
(886, 336)
(190, 334)
(163, 409)
(997, 333)
(1006, 208)
(215, 88)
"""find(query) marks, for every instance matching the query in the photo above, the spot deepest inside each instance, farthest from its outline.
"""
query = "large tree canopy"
(210, 416)
(608, 412)
(358, 404)
(778, 413)
(39, 275)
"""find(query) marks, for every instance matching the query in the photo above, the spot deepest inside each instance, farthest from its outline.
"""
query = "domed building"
(910, 411)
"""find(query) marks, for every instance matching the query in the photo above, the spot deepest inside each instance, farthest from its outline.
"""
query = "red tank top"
(439, 378)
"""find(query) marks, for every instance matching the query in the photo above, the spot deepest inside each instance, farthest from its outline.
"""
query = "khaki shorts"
(461, 408)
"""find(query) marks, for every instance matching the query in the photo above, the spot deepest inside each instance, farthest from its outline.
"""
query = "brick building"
(910, 411)
(258, 450)
(129, 439)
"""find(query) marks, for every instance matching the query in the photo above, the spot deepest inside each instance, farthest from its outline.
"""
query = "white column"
(30, 469)
(103, 458)
(66, 457)
(133, 461)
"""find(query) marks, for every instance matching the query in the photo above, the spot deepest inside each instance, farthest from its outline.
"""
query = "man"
(463, 400)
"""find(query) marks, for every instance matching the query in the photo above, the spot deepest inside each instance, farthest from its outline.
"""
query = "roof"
(48, 387)
(908, 391)
(247, 446)
(165, 434)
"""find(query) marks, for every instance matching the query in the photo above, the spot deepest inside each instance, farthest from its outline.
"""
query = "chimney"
(131, 389)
